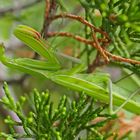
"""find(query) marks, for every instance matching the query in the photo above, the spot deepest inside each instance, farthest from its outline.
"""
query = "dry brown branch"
(50, 10)
(66, 34)
(80, 19)
(76, 37)
(96, 44)
(47, 9)
(122, 59)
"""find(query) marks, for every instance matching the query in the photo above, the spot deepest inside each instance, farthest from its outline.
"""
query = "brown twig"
(47, 9)
(66, 34)
(50, 10)
(122, 59)
(76, 37)
(95, 63)
(96, 44)
(80, 19)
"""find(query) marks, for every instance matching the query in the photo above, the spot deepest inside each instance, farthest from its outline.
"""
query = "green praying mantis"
(95, 85)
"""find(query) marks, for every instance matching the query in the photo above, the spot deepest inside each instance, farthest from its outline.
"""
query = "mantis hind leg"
(126, 101)
(111, 99)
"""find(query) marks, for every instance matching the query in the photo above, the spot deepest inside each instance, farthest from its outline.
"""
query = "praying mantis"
(97, 85)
